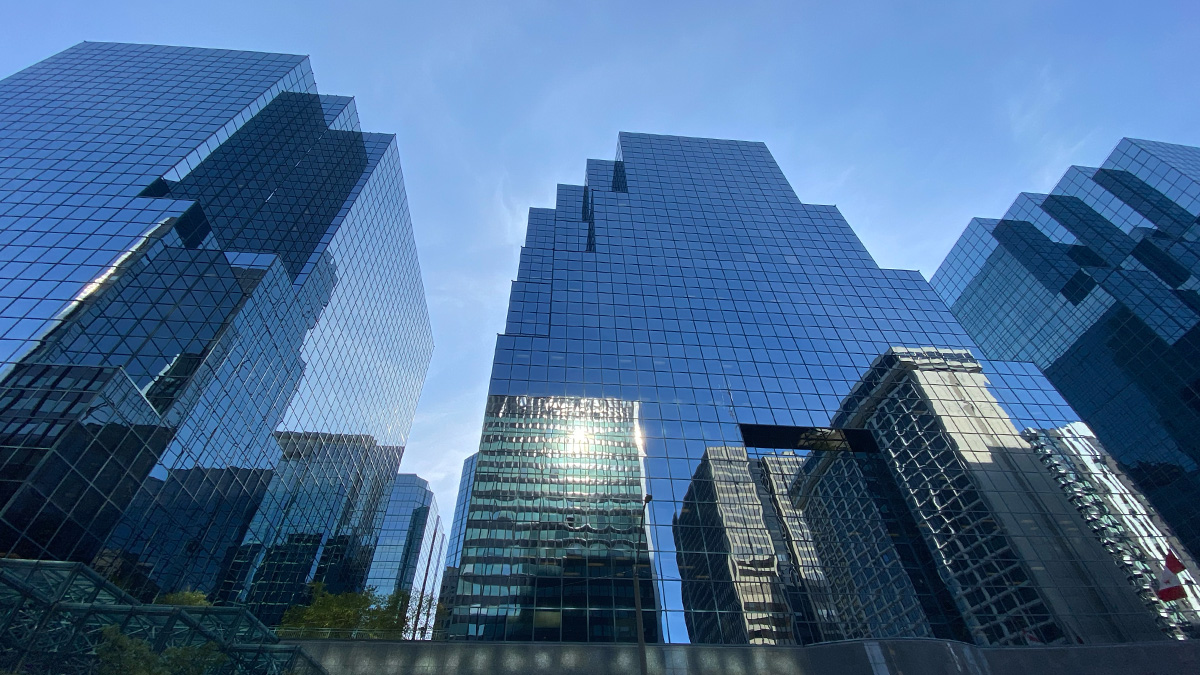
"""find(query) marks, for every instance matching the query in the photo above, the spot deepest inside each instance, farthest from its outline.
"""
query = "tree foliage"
(367, 614)
(184, 599)
(120, 654)
(192, 660)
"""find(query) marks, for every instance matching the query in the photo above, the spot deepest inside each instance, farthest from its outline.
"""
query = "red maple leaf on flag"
(1170, 586)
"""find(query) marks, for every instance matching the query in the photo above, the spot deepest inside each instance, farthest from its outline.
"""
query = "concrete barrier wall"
(859, 657)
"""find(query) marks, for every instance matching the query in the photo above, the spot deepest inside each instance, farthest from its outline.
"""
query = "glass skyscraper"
(685, 338)
(209, 291)
(458, 532)
(411, 552)
(1097, 284)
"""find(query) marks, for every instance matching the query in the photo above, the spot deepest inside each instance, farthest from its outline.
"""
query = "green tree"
(193, 659)
(388, 616)
(338, 611)
(120, 654)
(369, 613)
(184, 599)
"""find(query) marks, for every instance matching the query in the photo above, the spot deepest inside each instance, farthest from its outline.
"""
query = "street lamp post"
(637, 591)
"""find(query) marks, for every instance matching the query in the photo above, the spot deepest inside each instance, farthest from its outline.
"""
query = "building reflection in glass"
(1096, 284)
(319, 522)
(554, 534)
(1011, 551)
(200, 267)
(686, 278)
(1121, 518)
(748, 571)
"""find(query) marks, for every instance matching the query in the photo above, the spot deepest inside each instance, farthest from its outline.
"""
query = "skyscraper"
(188, 240)
(411, 552)
(455, 541)
(1096, 284)
(679, 315)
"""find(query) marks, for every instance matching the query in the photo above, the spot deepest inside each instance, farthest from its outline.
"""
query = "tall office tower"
(683, 300)
(1096, 283)
(411, 552)
(202, 260)
(455, 542)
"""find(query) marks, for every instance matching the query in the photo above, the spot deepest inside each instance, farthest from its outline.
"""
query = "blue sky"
(910, 117)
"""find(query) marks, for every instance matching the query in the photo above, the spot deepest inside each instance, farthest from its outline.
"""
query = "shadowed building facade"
(189, 238)
(682, 326)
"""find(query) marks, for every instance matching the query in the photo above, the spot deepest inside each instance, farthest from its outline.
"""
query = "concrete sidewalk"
(856, 657)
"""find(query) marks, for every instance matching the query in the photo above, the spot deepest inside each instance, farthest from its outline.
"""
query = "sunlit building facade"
(554, 524)
(1097, 284)
(202, 260)
(683, 331)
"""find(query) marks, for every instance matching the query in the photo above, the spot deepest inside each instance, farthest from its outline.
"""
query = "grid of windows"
(324, 504)
(202, 260)
(411, 552)
(457, 531)
(698, 292)
(454, 544)
(1096, 284)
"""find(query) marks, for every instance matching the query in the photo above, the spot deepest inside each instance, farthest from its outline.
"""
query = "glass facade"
(670, 403)
(1096, 284)
(1118, 515)
(208, 287)
(319, 521)
(458, 532)
(555, 520)
(411, 552)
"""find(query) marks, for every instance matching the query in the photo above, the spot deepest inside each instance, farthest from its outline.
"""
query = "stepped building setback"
(713, 418)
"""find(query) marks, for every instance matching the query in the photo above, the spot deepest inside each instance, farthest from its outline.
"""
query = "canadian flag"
(1170, 587)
